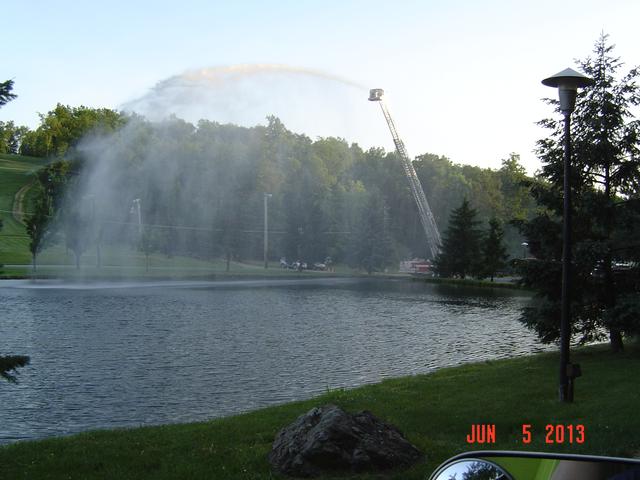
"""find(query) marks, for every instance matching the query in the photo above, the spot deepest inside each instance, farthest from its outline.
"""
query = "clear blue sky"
(463, 77)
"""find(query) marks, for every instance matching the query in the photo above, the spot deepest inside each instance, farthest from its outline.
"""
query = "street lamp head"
(567, 82)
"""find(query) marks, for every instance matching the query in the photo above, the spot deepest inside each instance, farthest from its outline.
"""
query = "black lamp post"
(567, 82)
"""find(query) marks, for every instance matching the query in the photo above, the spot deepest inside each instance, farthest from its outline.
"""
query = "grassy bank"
(434, 411)
(176, 268)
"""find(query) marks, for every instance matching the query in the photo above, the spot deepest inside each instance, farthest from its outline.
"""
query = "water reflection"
(112, 355)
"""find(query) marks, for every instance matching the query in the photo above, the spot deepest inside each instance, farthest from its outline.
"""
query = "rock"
(328, 440)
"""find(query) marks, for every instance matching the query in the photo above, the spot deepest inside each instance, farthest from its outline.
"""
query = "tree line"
(201, 191)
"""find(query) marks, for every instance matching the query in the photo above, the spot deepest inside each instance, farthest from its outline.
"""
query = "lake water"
(124, 355)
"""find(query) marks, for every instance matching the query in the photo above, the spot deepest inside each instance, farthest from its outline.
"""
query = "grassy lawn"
(434, 411)
(124, 263)
(16, 171)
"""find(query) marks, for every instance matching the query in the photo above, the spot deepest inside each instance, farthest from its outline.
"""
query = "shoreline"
(164, 275)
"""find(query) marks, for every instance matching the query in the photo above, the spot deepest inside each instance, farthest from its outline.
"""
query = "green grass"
(15, 172)
(125, 263)
(434, 411)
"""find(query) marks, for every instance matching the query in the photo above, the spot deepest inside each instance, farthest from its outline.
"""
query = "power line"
(183, 227)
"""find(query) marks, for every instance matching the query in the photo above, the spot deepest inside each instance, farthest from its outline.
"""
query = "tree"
(49, 194)
(480, 471)
(494, 253)
(460, 254)
(36, 224)
(5, 92)
(64, 127)
(373, 243)
(9, 364)
(11, 137)
(605, 178)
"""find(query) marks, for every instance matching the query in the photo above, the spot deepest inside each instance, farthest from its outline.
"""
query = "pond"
(125, 355)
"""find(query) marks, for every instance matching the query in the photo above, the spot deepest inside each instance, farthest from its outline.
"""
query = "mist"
(187, 174)
(308, 101)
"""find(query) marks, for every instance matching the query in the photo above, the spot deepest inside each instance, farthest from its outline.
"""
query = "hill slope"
(17, 174)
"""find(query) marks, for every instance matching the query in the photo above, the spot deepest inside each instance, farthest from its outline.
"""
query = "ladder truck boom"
(424, 211)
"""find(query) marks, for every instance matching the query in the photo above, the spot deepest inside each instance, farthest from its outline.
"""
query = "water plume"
(186, 176)
(308, 101)
(220, 74)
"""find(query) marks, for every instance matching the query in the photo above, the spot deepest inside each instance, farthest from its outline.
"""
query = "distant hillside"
(17, 173)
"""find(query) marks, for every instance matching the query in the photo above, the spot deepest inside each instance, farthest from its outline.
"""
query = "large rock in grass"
(329, 440)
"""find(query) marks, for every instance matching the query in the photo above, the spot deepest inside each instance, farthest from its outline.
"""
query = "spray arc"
(424, 211)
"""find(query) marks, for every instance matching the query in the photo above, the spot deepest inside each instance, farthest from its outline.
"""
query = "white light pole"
(567, 82)
(267, 196)
(136, 206)
(97, 226)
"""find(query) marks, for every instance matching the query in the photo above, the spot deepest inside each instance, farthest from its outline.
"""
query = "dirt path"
(18, 202)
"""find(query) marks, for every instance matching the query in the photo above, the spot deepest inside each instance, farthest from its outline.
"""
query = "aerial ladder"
(426, 217)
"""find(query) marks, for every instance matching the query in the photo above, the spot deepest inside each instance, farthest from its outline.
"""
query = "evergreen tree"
(605, 178)
(494, 252)
(374, 245)
(9, 363)
(460, 254)
(5, 92)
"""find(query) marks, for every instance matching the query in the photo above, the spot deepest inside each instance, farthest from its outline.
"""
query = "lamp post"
(567, 82)
(267, 196)
(524, 249)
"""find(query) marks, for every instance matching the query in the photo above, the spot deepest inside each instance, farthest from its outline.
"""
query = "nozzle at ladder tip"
(375, 94)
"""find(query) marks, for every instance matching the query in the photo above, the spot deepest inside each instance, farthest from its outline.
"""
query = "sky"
(462, 78)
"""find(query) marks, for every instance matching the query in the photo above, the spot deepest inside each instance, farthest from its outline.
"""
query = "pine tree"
(5, 92)
(605, 180)
(374, 245)
(8, 365)
(460, 254)
(494, 252)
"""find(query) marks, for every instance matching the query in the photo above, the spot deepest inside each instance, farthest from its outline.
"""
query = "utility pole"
(136, 205)
(267, 196)
(98, 228)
